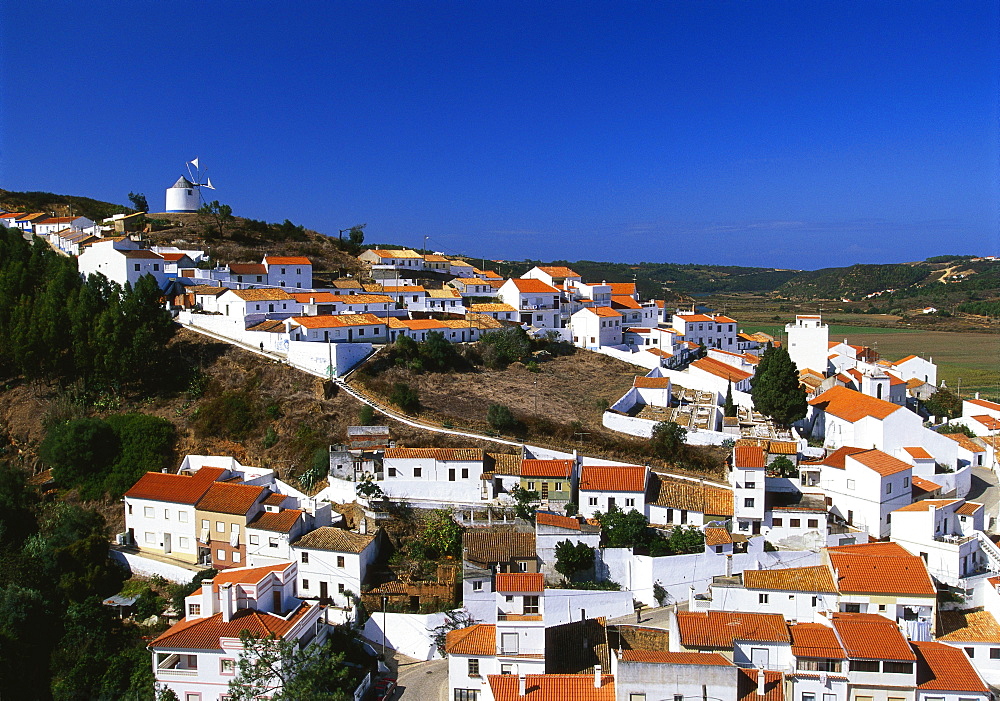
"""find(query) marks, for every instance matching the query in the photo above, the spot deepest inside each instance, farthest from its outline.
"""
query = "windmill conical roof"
(182, 182)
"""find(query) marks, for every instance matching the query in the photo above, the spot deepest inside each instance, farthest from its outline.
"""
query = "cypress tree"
(775, 388)
(729, 409)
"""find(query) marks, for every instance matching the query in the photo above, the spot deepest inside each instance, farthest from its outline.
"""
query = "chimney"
(363, 526)
(207, 602)
(226, 601)
(760, 682)
(597, 676)
(521, 686)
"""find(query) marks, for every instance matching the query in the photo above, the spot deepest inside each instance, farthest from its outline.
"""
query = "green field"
(972, 358)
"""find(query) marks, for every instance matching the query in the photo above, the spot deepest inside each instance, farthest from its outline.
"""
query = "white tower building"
(808, 343)
(183, 196)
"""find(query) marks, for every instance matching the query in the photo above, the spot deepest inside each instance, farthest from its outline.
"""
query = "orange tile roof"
(443, 454)
(941, 667)
(544, 518)
(205, 633)
(817, 578)
(870, 636)
(837, 458)
(985, 404)
(621, 288)
(968, 626)
(335, 540)
(882, 463)
(606, 312)
(783, 448)
(491, 307)
(624, 301)
(552, 687)
(520, 581)
(261, 294)
(277, 521)
(404, 289)
(316, 297)
(988, 422)
(247, 269)
(177, 489)
(965, 442)
(489, 547)
(852, 406)
(529, 285)
(613, 478)
(651, 382)
(924, 484)
(363, 299)
(721, 369)
(689, 496)
(287, 260)
(918, 453)
(416, 324)
(558, 271)
(659, 657)
(717, 536)
(330, 321)
(746, 685)
(880, 568)
(815, 640)
(968, 508)
(926, 504)
(749, 456)
(546, 468)
(247, 575)
(903, 360)
(719, 629)
(230, 498)
(479, 640)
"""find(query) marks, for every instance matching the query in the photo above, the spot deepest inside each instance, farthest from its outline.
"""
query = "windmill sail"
(208, 183)
(194, 162)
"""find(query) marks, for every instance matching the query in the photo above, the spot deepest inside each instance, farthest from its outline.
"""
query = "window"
(852, 608)
(850, 484)
(531, 606)
(776, 522)
(971, 652)
(815, 600)
(150, 537)
(183, 543)
(748, 503)
(638, 697)
(305, 558)
(254, 540)
(465, 473)
(630, 502)
(762, 598)
(557, 487)
(340, 587)
(148, 512)
(888, 487)
(751, 485)
(136, 266)
(670, 515)
(305, 583)
(473, 667)
(906, 481)
(744, 525)
(340, 560)
(817, 665)
(166, 514)
(191, 695)
(220, 526)
(182, 516)
(236, 556)
(477, 585)
(227, 666)
(205, 524)
(531, 486)
(220, 554)
(194, 609)
(522, 566)
(592, 501)
(995, 653)
(156, 267)
(813, 523)
(864, 665)
(418, 471)
(392, 471)
(794, 522)
(808, 696)
(897, 667)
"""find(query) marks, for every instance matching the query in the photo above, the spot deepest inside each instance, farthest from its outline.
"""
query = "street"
(423, 681)
(985, 491)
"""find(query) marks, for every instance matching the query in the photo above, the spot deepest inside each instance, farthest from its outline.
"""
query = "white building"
(709, 330)
(537, 302)
(594, 327)
(121, 261)
(747, 480)
(333, 564)
(451, 475)
(945, 533)
(808, 342)
(183, 196)
(605, 486)
(288, 271)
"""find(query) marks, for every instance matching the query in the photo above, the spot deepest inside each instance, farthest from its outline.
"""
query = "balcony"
(953, 539)
(523, 653)
(519, 617)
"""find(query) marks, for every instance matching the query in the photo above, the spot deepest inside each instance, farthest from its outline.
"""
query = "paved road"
(986, 491)
(423, 681)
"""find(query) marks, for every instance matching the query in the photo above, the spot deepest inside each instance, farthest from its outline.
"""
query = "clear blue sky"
(789, 134)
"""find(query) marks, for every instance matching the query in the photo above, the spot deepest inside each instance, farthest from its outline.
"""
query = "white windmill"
(185, 194)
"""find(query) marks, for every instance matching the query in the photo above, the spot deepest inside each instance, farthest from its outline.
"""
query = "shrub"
(501, 418)
(233, 415)
(405, 397)
(501, 348)
(270, 437)
(366, 415)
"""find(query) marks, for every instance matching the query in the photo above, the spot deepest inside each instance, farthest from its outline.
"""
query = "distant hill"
(61, 205)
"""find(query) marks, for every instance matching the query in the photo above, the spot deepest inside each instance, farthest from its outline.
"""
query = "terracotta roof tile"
(965, 442)
(622, 288)
(941, 667)
(247, 269)
(746, 685)
(689, 496)
(852, 406)
(837, 458)
(491, 307)
(968, 626)
(815, 640)
(985, 404)
(261, 294)
(969, 508)
(880, 568)
(718, 629)
(177, 489)
(205, 633)
(658, 657)
(490, 547)
(330, 321)
(277, 521)
(924, 484)
(287, 260)
(625, 302)
(817, 578)
(749, 456)
(558, 271)
(613, 478)
(546, 468)
(335, 540)
(247, 575)
(520, 581)
(230, 498)
(717, 536)
(926, 504)
(479, 640)
(544, 518)
(918, 453)
(531, 286)
(443, 454)
(505, 463)
(721, 369)
(988, 422)
(552, 687)
(651, 382)
(870, 636)
(882, 463)
(602, 311)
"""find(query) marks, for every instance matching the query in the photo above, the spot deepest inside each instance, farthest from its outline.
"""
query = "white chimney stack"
(226, 601)
(521, 686)
(597, 676)
(760, 682)
(207, 600)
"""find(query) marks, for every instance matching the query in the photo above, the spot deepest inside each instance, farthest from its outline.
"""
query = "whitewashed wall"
(408, 633)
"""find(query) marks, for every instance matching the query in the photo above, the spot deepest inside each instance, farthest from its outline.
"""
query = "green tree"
(220, 215)
(366, 415)
(369, 489)
(138, 201)
(524, 501)
(80, 454)
(775, 388)
(944, 403)
(572, 558)
(438, 353)
(282, 671)
(668, 439)
(356, 236)
(501, 348)
(729, 409)
(623, 530)
(405, 398)
(686, 540)
(782, 466)
(501, 418)
(441, 535)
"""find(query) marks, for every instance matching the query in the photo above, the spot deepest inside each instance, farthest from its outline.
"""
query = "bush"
(405, 397)
(501, 348)
(270, 437)
(668, 439)
(366, 415)
(233, 415)
(501, 418)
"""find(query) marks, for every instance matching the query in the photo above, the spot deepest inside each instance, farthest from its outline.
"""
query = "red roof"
(319, 297)
(880, 568)
(327, 321)
(230, 498)
(749, 456)
(552, 687)
(530, 285)
(177, 489)
(882, 463)
(721, 628)
(613, 478)
(546, 468)
(721, 369)
(651, 382)
(815, 640)
(746, 685)
(918, 453)
(544, 518)
(658, 657)
(520, 582)
(988, 422)
(852, 406)
(941, 667)
(205, 633)
(601, 311)
(837, 458)
(985, 404)
(479, 640)
(247, 269)
(870, 636)
(287, 260)
(247, 575)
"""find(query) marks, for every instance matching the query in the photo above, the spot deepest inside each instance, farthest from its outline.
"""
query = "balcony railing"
(501, 616)
(953, 539)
